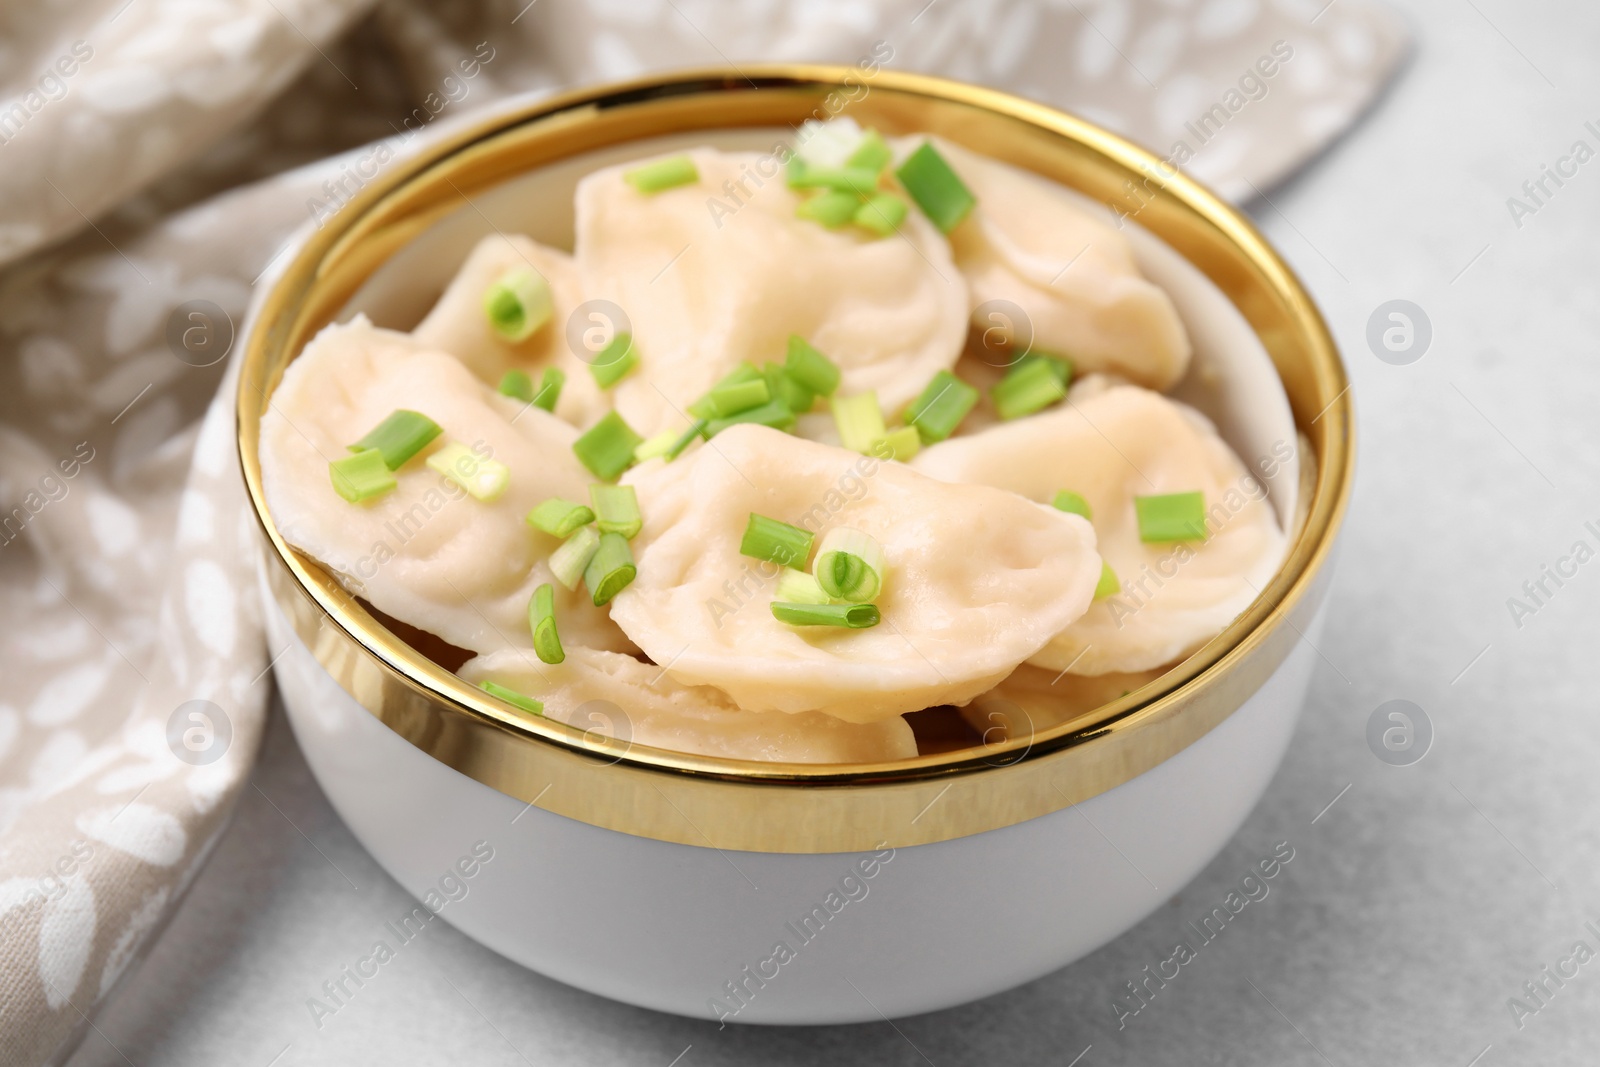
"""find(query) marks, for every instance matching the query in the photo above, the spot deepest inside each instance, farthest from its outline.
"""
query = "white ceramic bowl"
(770, 893)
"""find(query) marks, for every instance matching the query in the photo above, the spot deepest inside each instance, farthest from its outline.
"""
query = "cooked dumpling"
(589, 688)
(977, 580)
(1072, 274)
(1032, 700)
(425, 553)
(1109, 444)
(707, 284)
(458, 325)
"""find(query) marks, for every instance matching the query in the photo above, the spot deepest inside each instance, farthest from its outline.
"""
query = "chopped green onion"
(860, 180)
(569, 561)
(901, 443)
(1171, 517)
(689, 435)
(512, 697)
(941, 407)
(611, 569)
(1060, 366)
(781, 385)
(483, 478)
(849, 616)
(810, 367)
(936, 188)
(798, 587)
(882, 214)
(774, 413)
(616, 509)
(1031, 387)
(1109, 584)
(859, 419)
(777, 542)
(655, 446)
(401, 435)
(550, 389)
(607, 447)
(518, 304)
(744, 372)
(662, 174)
(1067, 500)
(850, 565)
(517, 385)
(831, 209)
(361, 475)
(872, 152)
(542, 621)
(614, 360)
(742, 396)
(558, 517)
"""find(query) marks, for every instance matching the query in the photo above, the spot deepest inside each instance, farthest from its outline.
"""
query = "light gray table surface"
(1416, 905)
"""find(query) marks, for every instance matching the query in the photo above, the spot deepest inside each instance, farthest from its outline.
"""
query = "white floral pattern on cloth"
(126, 547)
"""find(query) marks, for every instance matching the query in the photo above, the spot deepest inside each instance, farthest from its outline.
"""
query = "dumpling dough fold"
(593, 689)
(1110, 443)
(977, 580)
(425, 553)
(710, 278)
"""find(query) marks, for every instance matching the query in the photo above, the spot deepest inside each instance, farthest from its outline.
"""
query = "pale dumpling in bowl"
(594, 690)
(459, 325)
(708, 283)
(426, 553)
(1033, 699)
(977, 579)
(1110, 443)
(1027, 242)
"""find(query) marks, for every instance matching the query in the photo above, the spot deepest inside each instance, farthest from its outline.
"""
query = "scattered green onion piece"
(848, 616)
(798, 587)
(742, 396)
(542, 621)
(401, 435)
(872, 152)
(550, 389)
(776, 542)
(1031, 387)
(512, 697)
(655, 446)
(744, 372)
(810, 367)
(606, 448)
(860, 421)
(361, 475)
(850, 565)
(483, 478)
(941, 407)
(518, 304)
(689, 435)
(936, 188)
(901, 443)
(863, 181)
(611, 569)
(882, 214)
(1067, 500)
(569, 561)
(517, 385)
(774, 413)
(614, 360)
(831, 209)
(559, 518)
(1171, 517)
(1060, 366)
(1109, 584)
(662, 174)
(783, 386)
(616, 509)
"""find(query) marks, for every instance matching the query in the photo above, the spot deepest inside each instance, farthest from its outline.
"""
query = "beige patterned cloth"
(147, 169)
